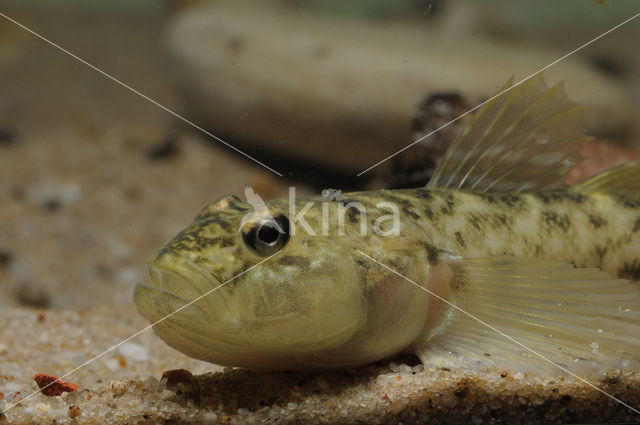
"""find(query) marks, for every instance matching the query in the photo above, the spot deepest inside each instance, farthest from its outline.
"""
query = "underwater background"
(100, 166)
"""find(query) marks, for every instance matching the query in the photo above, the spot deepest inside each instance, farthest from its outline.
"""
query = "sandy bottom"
(125, 385)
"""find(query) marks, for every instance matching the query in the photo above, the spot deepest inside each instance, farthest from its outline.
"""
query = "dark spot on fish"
(596, 221)
(353, 214)
(224, 225)
(510, 200)
(500, 218)
(294, 260)
(191, 238)
(475, 220)
(544, 197)
(629, 202)
(636, 226)
(559, 196)
(433, 254)
(556, 221)
(404, 203)
(411, 214)
(448, 208)
(630, 270)
(488, 197)
(226, 242)
(428, 212)
(424, 193)
(395, 265)
(201, 243)
(247, 265)
(167, 148)
(459, 239)
(575, 197)
(600, 252)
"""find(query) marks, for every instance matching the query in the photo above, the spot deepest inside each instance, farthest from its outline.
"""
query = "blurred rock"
(415, 166)
(31, 295)
(341, 92)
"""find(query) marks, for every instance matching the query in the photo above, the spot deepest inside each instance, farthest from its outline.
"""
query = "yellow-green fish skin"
(338, 309)
(585, 229)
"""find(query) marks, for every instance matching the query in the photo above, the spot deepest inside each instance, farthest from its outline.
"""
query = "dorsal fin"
(526, 139)
(622, 178)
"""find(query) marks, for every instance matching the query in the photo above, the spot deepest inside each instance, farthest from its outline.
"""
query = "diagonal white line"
(109, 76)
(501, 333)
(503, 92)
(113, 347)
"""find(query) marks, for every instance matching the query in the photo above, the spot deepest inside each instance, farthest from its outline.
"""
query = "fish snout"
(185, 279)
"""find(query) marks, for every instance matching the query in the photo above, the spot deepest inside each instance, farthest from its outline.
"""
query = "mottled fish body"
(494, 260)
(585, 229)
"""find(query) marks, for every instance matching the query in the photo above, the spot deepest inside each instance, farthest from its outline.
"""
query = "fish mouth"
(182, 277)
(178, 287)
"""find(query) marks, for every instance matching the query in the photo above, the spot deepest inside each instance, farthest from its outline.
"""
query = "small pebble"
(134, 352)
(176, 376)
(449, 400)
(74, 412)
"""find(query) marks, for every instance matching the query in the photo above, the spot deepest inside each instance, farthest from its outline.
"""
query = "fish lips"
(179, 291)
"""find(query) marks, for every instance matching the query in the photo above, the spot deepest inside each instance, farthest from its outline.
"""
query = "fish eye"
(267, 236)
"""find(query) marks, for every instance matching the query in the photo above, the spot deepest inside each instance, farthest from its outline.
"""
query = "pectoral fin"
(514, 314)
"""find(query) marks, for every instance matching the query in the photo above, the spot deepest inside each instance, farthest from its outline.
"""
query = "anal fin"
(523, 315)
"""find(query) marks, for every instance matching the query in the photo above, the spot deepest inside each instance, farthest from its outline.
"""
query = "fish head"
(239, 287)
